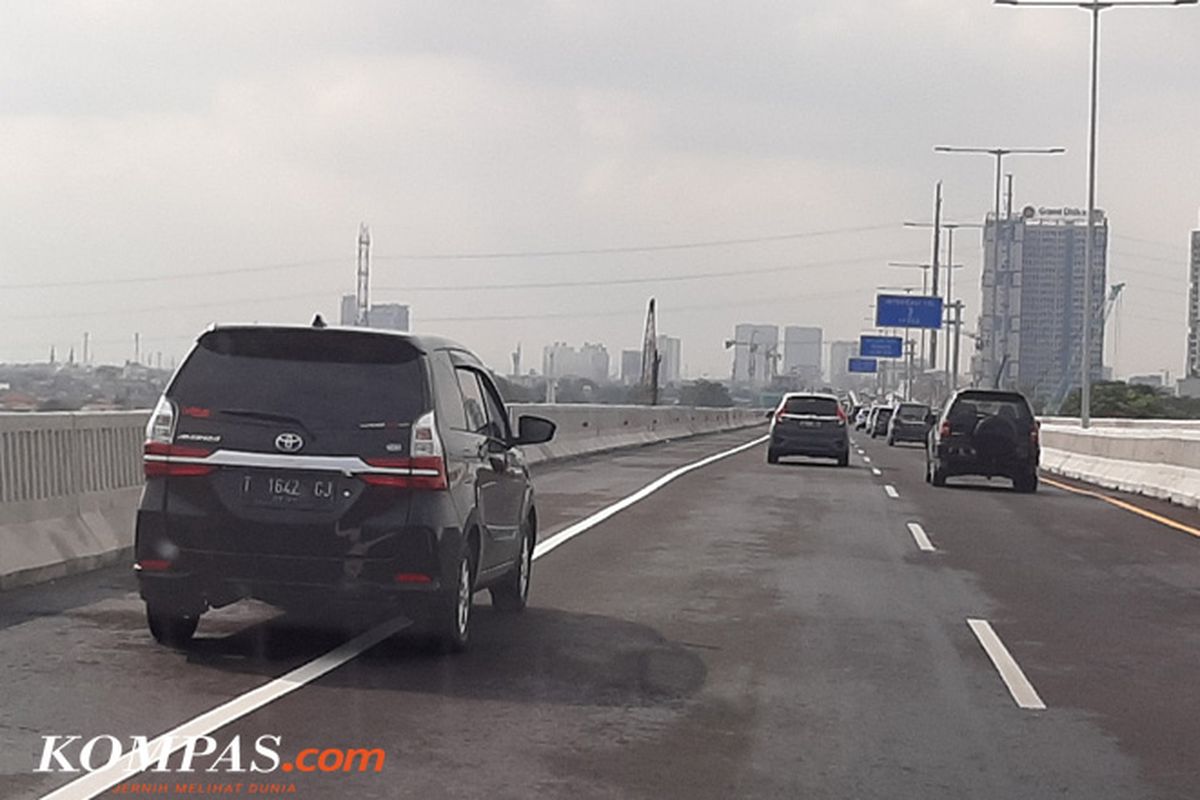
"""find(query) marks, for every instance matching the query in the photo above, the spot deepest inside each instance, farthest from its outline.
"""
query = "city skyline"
(188, 174)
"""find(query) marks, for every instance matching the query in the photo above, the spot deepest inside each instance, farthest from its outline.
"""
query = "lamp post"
(999, 153)
(1094, 7)
(950, 228)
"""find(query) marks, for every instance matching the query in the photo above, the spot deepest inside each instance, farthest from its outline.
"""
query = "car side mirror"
(534, 430)
(769, 414)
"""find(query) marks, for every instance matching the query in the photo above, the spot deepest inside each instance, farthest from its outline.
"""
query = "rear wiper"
(265, 416)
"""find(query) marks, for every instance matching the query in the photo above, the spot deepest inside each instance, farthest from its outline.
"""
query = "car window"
(989, 405)
(474, 404)
(811, 406)
(913, 411)
(495, 408)
(449, 396)
(322, 380)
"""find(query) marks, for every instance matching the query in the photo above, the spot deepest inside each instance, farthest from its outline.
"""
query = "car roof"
(822, 395)
(422, 342)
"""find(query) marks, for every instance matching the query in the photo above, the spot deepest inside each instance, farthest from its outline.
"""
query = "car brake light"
(944, 431)
(1034, 435)
(411, 577)
(161, 460)
(424, 469)
(152, 565)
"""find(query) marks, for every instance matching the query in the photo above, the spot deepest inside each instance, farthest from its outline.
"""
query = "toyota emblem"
(289, 442)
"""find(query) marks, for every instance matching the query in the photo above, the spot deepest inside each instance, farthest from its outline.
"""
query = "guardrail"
(69, 482)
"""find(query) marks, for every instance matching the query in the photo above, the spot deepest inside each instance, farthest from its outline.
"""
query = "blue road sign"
(864, 365)
(908, 311)
(880, 346)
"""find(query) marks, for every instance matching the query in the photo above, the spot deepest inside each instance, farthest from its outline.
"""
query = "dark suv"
(985, 432)
(910, 422)
(340, 471)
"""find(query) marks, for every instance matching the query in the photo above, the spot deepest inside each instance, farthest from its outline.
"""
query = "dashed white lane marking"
(128, 764)
(875, 471)
(891, 491)
(1019, 687)
(866, 459)
(920, 537)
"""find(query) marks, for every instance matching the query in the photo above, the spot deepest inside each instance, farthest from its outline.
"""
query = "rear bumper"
(958, 463)
(831, 447)
(908, 434)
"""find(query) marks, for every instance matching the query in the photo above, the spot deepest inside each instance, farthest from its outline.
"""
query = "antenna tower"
(362, 294)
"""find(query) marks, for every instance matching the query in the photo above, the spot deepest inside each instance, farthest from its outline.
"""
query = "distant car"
(879, 421)
(910, 423)
(860, 419)
(985, 432)
(341, 471)
(809, 425)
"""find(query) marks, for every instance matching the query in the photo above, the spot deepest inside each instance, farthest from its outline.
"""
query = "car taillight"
(424, 469)
(152, 565)
(944, 431)
(841, 416)
(779, 415)
(1034, 435)
(161, 460)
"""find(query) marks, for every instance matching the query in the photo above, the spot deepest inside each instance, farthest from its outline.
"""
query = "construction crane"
(1073, 368)
(650, 356)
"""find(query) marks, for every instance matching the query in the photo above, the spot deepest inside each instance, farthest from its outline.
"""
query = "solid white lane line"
(565, 535)
(125, 767)
(891, 491)
(875, 471)
(920, 537)
(1019, 687)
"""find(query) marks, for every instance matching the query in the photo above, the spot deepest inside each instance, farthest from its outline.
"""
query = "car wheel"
(171, 628)
(453, 629)
(844, 459)
(512, 593)
(891, 441)
(1027, 484)
(772, 457)
(937, 475)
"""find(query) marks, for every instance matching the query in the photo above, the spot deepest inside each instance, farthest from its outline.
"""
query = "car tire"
(511, 595)
(891, 441)
(937, 475)
(1027, 484)
(171, 628)
(772, 457)
(844, 459)
(452, 629)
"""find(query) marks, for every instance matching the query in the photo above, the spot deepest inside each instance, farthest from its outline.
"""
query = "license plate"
(288, 491)
(809, 423)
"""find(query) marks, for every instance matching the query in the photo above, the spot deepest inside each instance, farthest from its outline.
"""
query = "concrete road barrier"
(1154, 458)
(70, 482)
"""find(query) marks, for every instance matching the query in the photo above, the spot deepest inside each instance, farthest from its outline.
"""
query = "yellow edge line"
(1130, 507)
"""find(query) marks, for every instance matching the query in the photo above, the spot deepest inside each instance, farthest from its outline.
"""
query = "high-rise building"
(802, 354)
(1031, 320)
(389, 316)
(840, 354)
(1193, 348)
(755, 349)
(349, 310)
(591, 362)
(631, 367)
(669, 350)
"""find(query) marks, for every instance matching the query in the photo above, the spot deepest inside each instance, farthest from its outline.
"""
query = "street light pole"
(1095, 7)
(999, 153)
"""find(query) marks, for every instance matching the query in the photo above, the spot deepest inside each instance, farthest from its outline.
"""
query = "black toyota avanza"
(344, 471)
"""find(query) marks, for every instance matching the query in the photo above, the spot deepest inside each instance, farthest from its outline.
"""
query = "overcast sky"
(166, 138)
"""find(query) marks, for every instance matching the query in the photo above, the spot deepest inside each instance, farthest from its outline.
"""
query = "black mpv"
(334, 471)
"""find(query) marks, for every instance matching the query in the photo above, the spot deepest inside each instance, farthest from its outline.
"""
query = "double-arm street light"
(999, 153)
(1095, 7)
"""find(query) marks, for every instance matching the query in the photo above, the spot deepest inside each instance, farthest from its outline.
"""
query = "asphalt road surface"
(746, 630)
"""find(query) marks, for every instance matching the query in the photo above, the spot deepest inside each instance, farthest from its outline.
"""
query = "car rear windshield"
(992, 404)
(912, 411)
(322, 379)
(811, 406)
